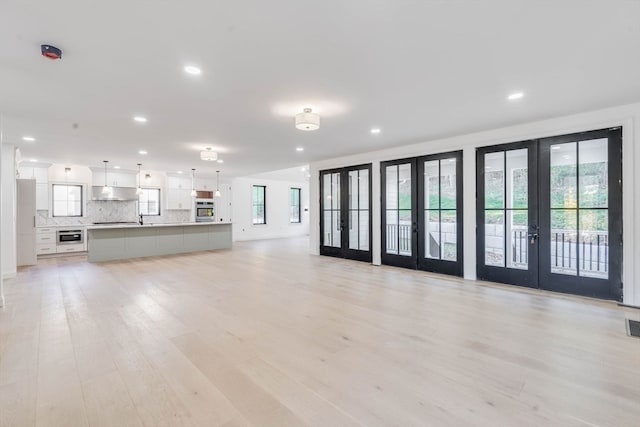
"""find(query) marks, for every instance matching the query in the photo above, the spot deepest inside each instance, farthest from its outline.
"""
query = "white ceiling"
(417, 69)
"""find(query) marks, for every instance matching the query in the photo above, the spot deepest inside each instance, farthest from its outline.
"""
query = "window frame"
(82, 199)
(254, 204)
(159, 201)
(299, 205)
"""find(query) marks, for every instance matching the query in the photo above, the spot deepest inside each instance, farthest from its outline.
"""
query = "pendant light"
(139, 190)
(193, 188)
(218, 194)
(105, 189)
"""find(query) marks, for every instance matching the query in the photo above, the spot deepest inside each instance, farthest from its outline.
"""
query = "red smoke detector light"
(50, 52)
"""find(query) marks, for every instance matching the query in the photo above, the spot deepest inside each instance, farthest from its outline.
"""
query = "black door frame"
(539, 220)
(588, 286)
(344, 251)
(418, 246)
(529, 277)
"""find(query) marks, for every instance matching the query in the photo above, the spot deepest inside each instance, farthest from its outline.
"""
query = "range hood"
(116, 193)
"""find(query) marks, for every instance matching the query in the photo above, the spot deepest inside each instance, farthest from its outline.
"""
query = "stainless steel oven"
(70, 236)
(204, 210)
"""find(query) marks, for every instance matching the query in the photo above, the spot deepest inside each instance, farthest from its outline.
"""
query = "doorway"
(422, 213)
(549, 213)
(345, 209)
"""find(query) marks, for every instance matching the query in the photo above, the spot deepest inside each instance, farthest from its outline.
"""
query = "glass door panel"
(508, 235)
(421, 217)
(346, 212)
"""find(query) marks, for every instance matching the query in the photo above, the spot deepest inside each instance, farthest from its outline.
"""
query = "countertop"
(176, 224)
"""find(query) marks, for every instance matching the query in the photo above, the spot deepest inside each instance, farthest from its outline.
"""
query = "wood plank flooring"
(267, 335)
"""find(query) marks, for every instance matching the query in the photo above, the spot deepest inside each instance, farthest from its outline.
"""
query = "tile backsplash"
(113, 211)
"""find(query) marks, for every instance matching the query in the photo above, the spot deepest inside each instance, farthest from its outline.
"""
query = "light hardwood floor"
(267, 335)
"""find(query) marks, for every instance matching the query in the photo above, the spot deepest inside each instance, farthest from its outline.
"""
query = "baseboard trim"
(9, 275)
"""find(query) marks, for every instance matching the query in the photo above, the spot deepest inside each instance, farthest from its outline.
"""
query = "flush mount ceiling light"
(220, 161)
(515, 95)
(307, 120)
(193, 70)
(28, 138)
(140, 119)
(209, 155)
(299, 149)
(375, 131)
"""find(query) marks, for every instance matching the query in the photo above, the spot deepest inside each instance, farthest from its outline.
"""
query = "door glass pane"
(326, 238)
(593, 173)
(364, 230)
(563, 241)
(593, 246)
(494, 238)
(354, 228)
(563, 176)
(326, 191)
(392, 187)
(336, 233)
(404, 186)
(448, 184)
(517, 179)
(494, 180)
(364, 189)
(392, 232)
(404, 233)
(432, 234)
(335, 191)
(517, 239)
(431, 188)
(353, 190)
(449, 247)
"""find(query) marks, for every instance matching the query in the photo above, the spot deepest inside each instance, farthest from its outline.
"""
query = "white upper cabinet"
(115, 178)
(178, 194)
(39, 173)
(206, 184)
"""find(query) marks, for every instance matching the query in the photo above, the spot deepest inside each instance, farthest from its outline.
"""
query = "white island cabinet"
(108, 243)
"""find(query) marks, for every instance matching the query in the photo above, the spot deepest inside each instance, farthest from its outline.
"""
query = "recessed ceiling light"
(143, 152)
(28, 138)
(192, 69)
(180, 172)
(375, 131)
(515, 95)
(140, 119)
(33, 160)
(303, 169)
(220, 161)
(299, 149)
(116, 167)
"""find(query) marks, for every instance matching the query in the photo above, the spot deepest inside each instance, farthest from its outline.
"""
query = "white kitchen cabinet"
(39, 173)
(75, 247)
(206, 184)
(26, 221)
(178, 194)
(115, 178)
(42, 196)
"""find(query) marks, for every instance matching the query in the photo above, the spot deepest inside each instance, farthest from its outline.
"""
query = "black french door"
(422, 213)
(345, 212)
(549, 213)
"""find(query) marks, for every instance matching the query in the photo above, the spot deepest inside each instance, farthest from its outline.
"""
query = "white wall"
(627, 116)
(277, 207)
(8, 185)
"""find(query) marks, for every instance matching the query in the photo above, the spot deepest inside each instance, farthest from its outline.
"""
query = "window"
(258, 196)
(294, 205)
(67, 200)
(149, 201)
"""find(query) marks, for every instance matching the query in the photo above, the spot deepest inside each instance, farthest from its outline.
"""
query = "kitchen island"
(109, 242)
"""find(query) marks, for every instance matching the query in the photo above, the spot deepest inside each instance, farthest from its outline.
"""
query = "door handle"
(533, 237)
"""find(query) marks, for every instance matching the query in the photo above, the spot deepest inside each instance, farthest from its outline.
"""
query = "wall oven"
(70, 236)
(204, 210)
